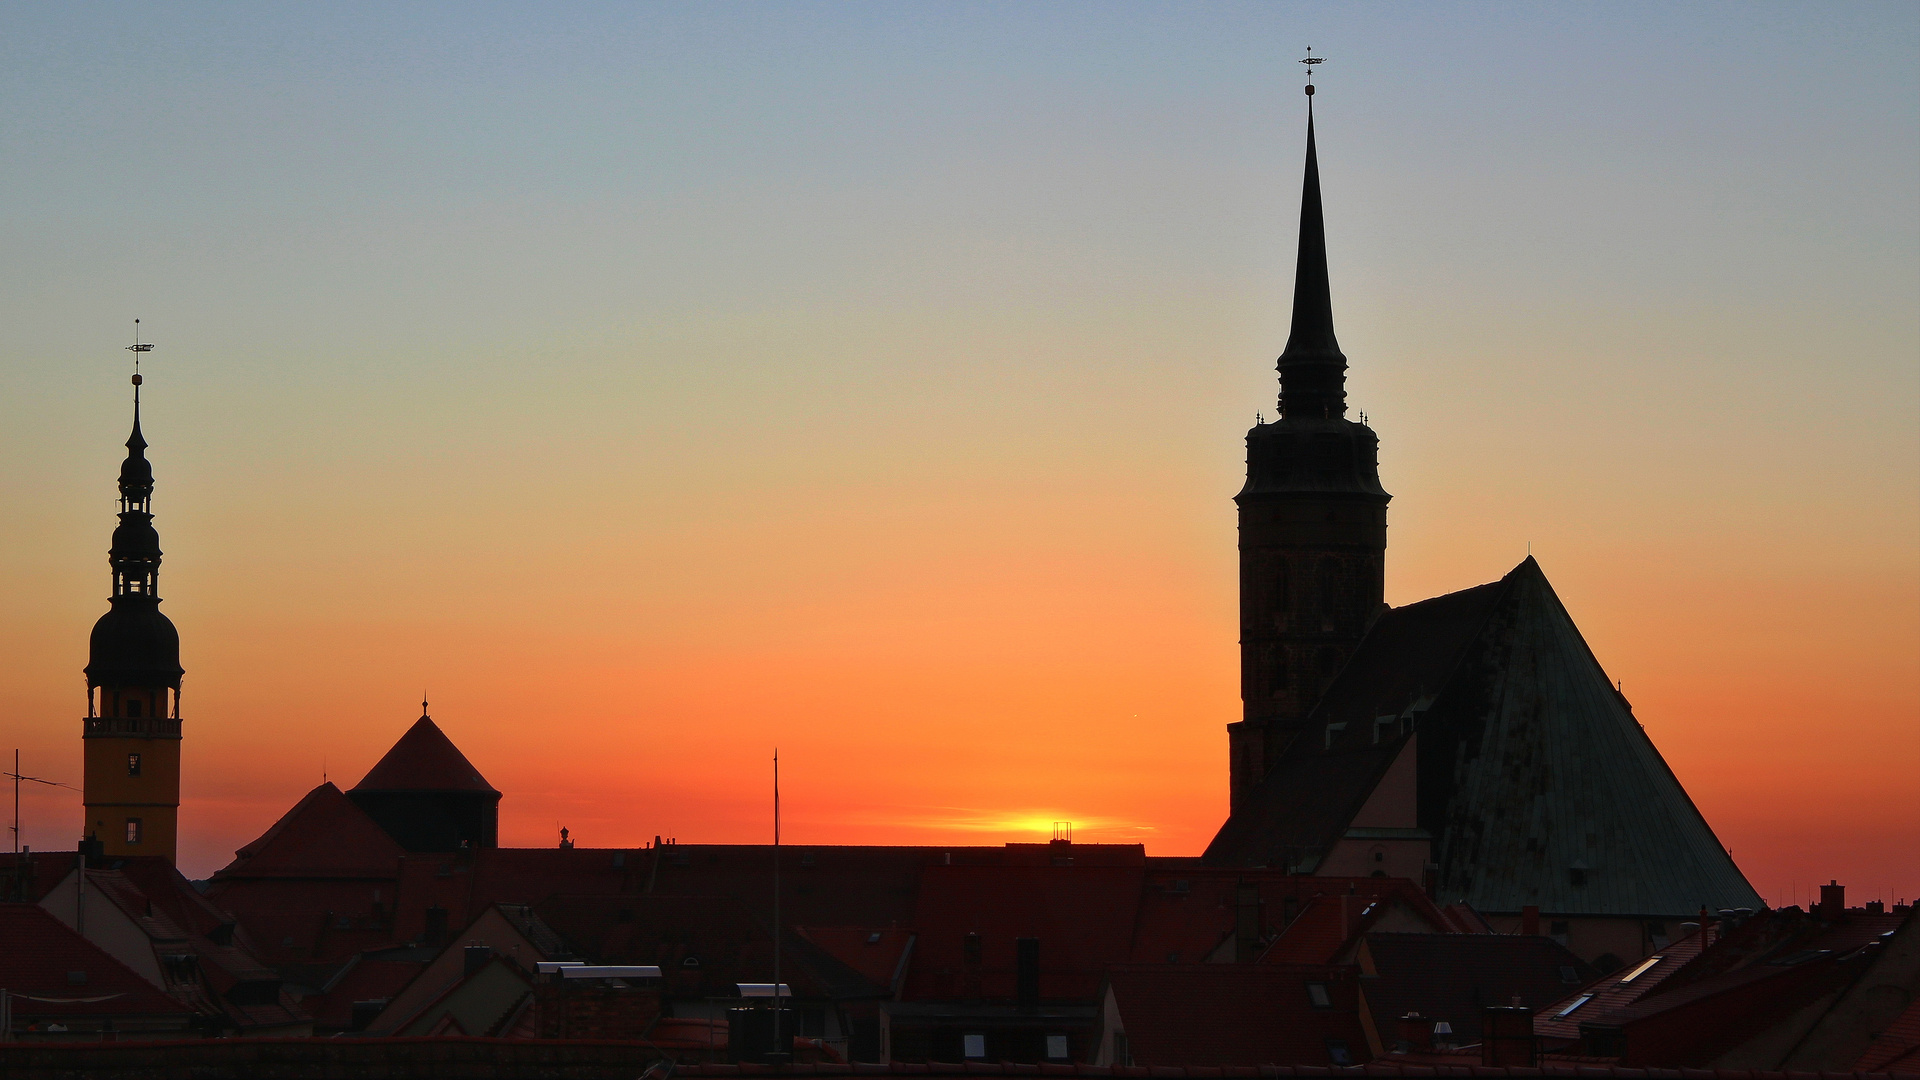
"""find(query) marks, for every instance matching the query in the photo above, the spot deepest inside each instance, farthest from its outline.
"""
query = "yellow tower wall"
(113, 794)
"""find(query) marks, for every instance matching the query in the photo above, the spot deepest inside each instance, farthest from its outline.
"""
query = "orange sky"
(887, 407)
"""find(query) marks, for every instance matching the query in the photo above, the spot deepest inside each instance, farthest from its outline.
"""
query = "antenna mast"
(778, 1049)
(17, 777)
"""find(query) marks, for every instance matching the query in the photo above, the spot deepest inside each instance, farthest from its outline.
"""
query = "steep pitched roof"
(53, 971)
(1546, 791)
(324, 835)
(1535, 781)
(424, 760)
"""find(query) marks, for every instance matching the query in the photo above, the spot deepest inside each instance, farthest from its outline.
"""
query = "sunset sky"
(657, 384)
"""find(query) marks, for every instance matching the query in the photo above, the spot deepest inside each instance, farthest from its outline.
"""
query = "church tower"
(132, 733)
(1313, 521)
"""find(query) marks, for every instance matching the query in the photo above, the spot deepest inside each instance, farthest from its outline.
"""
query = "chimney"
(1416, 1033)
(1530, 920)
(1833, 900)
(1246, 925)
(477, 957)
(1506, 1036)
(1026, 979)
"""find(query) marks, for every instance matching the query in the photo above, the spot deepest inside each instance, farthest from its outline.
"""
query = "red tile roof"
(324, 836)
(1238, 1014)
(1083, 915)
(874, 952)
(1611, 993)
(1898, 1048)
(1338, 910)
(51, 971)
(424, 760)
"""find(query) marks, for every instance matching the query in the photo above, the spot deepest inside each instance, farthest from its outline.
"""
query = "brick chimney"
(1833, 900)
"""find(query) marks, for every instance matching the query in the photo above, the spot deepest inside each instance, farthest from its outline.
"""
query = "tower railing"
(151, 726)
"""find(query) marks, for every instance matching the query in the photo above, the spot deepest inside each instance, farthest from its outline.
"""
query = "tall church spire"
(1313, 370)
(1313, 520)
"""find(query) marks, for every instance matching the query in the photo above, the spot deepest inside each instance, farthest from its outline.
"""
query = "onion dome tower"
(132, 729)
(1313, 520)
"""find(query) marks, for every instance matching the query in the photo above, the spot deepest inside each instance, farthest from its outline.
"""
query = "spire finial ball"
(137, 380)
(1309, 89)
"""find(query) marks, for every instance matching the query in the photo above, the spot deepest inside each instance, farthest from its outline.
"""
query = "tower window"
(133, 830)
(133, 764)
(133, 707)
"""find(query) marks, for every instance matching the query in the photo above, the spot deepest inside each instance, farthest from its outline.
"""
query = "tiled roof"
(424, 760)
(704, 945)
(1898, 1048)
(324, 835)
(874, 952)
(1238, 1014)
(363, 979)
(1610, 993)
(42, 958)
(1454, 977)
(1381, 1067)
(1083, 917)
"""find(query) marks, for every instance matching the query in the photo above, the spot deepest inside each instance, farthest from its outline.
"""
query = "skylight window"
(1318, 995)
(1640, 969)
(1577, 1002)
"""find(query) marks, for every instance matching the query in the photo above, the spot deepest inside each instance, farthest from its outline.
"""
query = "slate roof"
(1535, 781)
(424, 760)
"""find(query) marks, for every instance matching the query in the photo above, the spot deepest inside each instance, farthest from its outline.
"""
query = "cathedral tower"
(132, 733)
(1313, 521)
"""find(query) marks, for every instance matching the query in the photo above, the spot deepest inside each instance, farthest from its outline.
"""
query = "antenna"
(16, 777)
(778, 1050)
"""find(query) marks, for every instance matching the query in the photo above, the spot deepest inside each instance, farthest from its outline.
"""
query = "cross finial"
(1310, 61)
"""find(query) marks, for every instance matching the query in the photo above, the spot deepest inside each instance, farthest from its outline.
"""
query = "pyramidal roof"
(425, 760)
(1536, 783)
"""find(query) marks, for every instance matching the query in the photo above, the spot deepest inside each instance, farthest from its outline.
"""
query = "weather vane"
(136, 349)
(1310, 61)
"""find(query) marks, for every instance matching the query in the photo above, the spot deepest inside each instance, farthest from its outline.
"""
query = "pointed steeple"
(1313, 370)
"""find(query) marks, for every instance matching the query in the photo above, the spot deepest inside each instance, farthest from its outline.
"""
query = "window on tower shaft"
(133, 830)
(133, 764)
